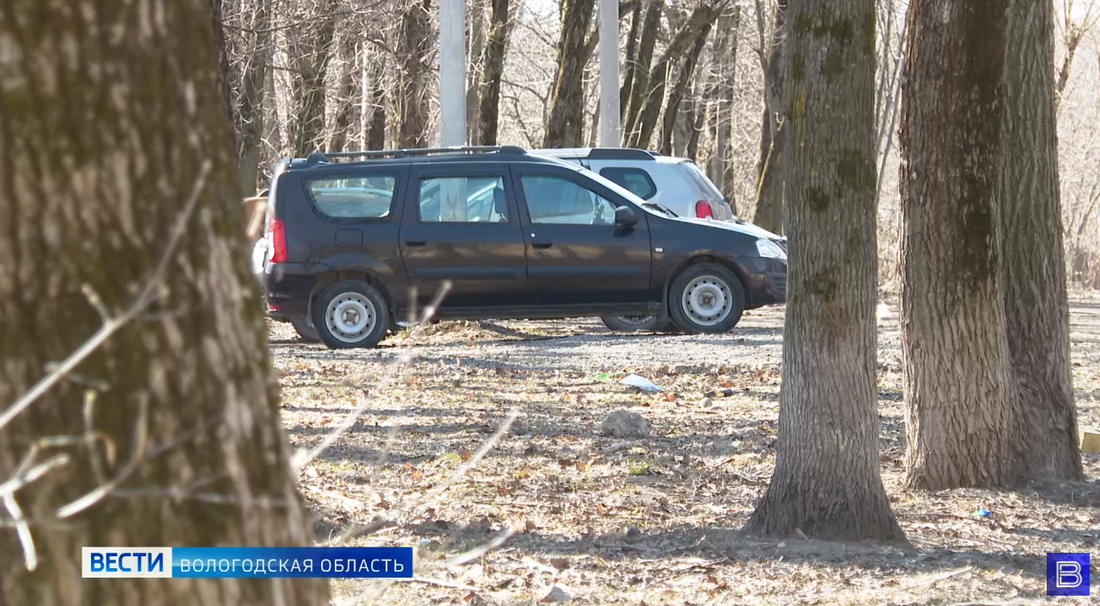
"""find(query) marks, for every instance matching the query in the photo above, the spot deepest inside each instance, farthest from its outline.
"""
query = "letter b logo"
(1068, 574)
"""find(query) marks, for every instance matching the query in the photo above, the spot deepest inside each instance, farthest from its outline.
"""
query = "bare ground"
(604, 520)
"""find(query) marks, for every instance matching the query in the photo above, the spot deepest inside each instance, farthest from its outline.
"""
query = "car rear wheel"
(706, 298)
(350, 313)
(304, 330)
(635, 323)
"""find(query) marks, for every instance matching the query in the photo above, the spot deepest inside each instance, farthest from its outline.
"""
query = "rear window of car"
(353, 197)
(634, 180)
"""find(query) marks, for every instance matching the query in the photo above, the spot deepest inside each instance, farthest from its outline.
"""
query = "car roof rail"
(620, 153)
(323, 157)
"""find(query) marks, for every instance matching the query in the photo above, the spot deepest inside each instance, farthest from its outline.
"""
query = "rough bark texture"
(955, 354)
(680, 88)
(310, 49)
(104, 138)
(565, 125)
(376, 135)
(1036, 310)
(345, 93)
(250, 122)
(773, 135)
(414, 41)
(492, 72)
(630, 53)
(475, 51)
(634, 97)
(654, 92)
(826, 481)
(721, 92)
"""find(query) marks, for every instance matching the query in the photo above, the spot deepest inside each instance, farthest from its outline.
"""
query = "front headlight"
(769, 249)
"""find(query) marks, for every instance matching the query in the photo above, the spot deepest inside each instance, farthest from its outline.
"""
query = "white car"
(677, 184)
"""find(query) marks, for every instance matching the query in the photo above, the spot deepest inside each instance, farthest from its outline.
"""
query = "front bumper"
(766, 282)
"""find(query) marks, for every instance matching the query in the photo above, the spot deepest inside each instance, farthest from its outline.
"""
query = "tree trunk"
(654, 96)
(97, 175)
(634, 97)
(310, 48)
(492, 73)
(565, 126)
(721, 95)
(1034, 273)
(475, 50)
(826, 482)
(680, 88)
(955, 353)
(345, 93)
(250, 115)
(773, 138)
(412, 76)
(376, 135)
(630, 54)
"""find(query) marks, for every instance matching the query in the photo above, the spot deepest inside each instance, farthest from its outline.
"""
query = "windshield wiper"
(660, 208)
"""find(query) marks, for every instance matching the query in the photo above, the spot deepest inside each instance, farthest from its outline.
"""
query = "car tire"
(351, 313)
(706, 298)
(304, 330)
(635, 323)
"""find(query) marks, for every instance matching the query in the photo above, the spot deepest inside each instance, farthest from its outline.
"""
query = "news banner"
(246, 562)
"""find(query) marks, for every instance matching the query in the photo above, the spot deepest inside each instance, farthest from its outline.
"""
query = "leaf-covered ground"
(577, 517)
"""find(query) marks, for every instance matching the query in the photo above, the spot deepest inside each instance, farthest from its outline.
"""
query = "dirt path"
(651, 520)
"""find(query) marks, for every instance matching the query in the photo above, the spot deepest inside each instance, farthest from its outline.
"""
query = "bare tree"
(151, 417)
(414, 41)
(826, 481)
(1033, 269)
(955, 353)
(681, 88)
(566, 121)
(310, 48)
(770, 168)
(1072, 34)
(250, 119)
(492, 73)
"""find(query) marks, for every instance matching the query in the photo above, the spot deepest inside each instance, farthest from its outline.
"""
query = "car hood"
(746, 228)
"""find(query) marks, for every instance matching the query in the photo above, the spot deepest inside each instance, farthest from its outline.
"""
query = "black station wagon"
(355, 244)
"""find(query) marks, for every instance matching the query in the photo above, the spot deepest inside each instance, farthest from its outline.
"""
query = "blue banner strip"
(291, 562)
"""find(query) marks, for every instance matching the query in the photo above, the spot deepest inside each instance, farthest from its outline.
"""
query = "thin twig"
(30, 554)
(477, 552)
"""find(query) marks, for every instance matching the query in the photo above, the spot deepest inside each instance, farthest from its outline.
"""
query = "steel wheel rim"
(350, 317)
(706, 300)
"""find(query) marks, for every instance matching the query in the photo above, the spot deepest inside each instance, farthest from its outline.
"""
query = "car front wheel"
(635, 323)
(706, 298)
(350, 313)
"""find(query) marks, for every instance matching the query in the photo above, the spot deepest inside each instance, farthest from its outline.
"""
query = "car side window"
(353, 197)
(634, 180)
(555, 200)
(463, 200)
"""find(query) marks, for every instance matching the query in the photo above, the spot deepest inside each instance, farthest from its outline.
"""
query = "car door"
(460, 225)
(576, 254)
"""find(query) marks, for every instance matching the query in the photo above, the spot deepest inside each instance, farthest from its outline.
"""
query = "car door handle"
(541, 243)
(416, 242)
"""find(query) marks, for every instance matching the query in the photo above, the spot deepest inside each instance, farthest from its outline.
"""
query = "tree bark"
(492, 73)
(475, 50)
(634, 97)
(250, 117)
(654, 92)
(630, 54)
(97, 174)
(1036, 309)
(826, 481)
(955, 353)
(773, 138)
(415, 40)
(310, 49)
(565, 126)
(345, 93)
(680, 88)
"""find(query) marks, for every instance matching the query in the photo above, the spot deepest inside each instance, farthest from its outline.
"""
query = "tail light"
(703, 209)
(278, 241)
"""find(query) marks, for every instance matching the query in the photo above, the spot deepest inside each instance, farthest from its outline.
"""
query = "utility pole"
(452, 72)
(610, 122)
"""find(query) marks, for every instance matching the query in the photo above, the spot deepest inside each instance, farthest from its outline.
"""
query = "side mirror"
(624, 215)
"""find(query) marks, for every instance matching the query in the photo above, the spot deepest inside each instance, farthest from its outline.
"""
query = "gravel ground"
(649, 519)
